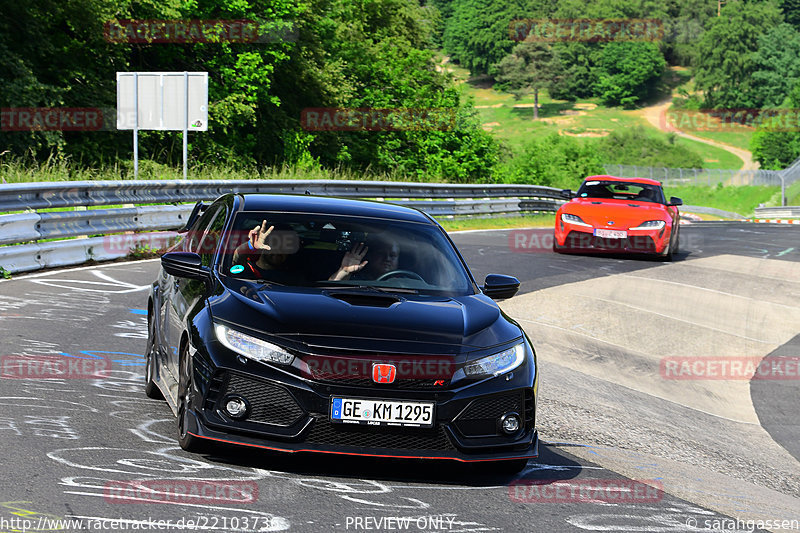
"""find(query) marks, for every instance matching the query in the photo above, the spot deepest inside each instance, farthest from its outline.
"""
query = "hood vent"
(366, 300)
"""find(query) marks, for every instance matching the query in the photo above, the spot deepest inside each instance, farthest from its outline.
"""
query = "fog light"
(510, 423)
(236, 407)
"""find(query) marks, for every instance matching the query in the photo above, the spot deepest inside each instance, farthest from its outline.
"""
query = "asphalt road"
(72, 447)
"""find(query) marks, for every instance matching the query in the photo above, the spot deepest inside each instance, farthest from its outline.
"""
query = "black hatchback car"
(317, 324)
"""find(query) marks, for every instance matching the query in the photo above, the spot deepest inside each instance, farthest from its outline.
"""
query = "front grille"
(634, 243)
(480, 418)
(493, 407)
(326, 432)
(269, 403)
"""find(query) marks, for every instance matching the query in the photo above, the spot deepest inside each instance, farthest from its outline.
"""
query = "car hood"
(357, 320)
(624, 213)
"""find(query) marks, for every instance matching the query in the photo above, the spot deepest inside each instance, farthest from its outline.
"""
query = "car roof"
(329, 205)
(625, 180)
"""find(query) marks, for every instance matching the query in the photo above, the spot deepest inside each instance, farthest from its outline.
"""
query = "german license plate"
(611, 234)
(382, 412)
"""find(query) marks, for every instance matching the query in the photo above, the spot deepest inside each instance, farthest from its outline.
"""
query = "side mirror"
(674, 200)
(500, 287)
(567, 193)
(185, 265)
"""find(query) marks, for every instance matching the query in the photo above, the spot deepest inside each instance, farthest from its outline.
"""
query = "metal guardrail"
(711, 211)
(46, 195)
(777, 212)
(104, 234)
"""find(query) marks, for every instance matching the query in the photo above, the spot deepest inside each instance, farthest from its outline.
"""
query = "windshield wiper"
(371, 288)
(403, 290)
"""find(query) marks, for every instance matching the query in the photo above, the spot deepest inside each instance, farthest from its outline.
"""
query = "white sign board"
(162, 101)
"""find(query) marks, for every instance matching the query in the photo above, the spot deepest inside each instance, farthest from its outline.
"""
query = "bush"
(553, 161)
(635, 146)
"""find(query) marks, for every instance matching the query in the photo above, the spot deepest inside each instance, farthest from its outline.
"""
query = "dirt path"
(656, 115)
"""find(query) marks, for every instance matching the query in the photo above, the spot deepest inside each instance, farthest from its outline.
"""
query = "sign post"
(165, 101)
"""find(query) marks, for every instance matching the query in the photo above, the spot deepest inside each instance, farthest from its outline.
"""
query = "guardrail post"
(783, 189)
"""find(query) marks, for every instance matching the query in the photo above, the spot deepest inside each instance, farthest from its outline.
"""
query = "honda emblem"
(383, 373)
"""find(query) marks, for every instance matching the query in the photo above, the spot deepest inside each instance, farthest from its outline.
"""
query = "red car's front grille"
(634, 243)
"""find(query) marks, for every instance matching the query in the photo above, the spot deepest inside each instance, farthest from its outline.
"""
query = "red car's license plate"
(611, 234)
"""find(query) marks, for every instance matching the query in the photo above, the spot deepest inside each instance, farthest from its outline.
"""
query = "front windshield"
(617, 190)
(343, 252)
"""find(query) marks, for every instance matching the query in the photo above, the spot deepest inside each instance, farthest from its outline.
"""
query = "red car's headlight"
(651, 224)
(574, 219)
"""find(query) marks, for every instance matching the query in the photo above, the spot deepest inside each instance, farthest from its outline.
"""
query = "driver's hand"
(258, 236)
(351, 262)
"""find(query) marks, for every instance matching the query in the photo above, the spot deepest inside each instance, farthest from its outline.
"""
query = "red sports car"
(618, 215)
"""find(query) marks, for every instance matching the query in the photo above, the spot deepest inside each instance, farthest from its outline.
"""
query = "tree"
(477, 33)
(726, 52)
(628, 71)
(529, 67)
(777, 64)
(791, 12)
(776, 142)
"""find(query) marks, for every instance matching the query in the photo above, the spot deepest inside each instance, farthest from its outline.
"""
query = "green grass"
(516, 126)
(793, 193)
(15, 171)
(460, 224)
(713, 157)
(736, 199)
(708, 127)
(738, 138)
(733, 135)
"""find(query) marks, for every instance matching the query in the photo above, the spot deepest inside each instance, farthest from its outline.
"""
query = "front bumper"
(641, 242)
(291, 414)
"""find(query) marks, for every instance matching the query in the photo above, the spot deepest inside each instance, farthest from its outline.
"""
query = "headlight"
(651, 224)
(251, 347)
(574, 219)
(498, 363)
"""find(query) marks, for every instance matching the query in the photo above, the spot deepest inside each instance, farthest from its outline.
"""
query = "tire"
(151, 390)
(187, 441)
(669, 255)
